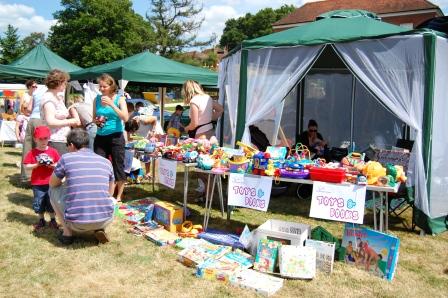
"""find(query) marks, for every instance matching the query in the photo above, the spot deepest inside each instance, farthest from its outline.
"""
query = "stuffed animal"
(373, 170)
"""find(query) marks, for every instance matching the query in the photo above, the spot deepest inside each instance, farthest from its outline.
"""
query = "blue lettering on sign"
(351, 204)
(260, 193)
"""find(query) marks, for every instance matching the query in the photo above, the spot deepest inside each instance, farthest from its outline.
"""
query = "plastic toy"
(260, 163)
(373, 170)
(249, 151)
(44, 159)
(190, 157)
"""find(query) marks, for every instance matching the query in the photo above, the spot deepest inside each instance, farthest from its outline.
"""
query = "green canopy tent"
(17, 73)
(403, 71)
(150, 68)
(43, 59)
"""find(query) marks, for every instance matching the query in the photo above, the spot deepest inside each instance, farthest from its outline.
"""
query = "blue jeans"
(41, 202)
(91, 130)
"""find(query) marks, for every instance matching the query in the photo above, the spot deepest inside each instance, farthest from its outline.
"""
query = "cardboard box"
(169, 215)
(289, 233)
(261, 283)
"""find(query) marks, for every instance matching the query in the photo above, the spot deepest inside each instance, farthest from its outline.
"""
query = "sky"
(37, 15)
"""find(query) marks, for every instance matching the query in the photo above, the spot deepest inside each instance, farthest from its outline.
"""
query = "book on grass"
(162, 237)
(324, 254)
(297, 261)
(267, 253)
(239, 257)
(217, 269)
(195, 255)
(263, 284)
(370, 250)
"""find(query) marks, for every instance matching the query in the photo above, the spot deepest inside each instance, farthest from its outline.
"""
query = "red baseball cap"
(42, 132)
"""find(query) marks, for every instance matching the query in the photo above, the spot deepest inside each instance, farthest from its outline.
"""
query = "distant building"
(405, 13)
(205, 53)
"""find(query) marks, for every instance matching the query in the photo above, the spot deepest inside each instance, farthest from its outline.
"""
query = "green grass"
(36, 265)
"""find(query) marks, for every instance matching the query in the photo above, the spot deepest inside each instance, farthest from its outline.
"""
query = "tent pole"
(242, 97)
(352, 142)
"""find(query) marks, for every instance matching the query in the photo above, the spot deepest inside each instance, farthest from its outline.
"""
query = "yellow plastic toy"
(270, 169)
(373, 170)
(249, 151)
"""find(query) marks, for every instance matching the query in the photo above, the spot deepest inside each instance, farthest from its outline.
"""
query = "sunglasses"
(312, 130)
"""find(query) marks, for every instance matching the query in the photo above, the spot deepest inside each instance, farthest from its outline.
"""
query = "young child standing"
(42, 160)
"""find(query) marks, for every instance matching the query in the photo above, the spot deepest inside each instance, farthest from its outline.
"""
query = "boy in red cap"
(42, 160)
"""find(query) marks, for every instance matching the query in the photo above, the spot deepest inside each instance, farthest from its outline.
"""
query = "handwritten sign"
(249, 192)
(395, 157)
(167, 172)
(338, 202)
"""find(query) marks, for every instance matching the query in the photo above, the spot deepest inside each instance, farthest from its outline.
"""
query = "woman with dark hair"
(54, 111)
(313, 139)
(109, 113)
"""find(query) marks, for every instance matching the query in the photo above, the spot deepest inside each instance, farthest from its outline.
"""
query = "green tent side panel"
(10, 73)
(327, 30)
(149, 68)
(430, 225)
(42, 58)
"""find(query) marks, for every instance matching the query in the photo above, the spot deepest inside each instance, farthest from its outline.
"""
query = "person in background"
(54, 111)
(84, 202)
(9, 114)
(32, 108)
(27, 98)
(84, 111)
(203, 112)
(313, 139)
(42, 160)
(109, 113)
(175, 119)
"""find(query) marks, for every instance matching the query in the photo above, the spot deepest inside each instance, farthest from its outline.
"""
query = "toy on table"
(260, 163)
(248, 150)
(190, 157)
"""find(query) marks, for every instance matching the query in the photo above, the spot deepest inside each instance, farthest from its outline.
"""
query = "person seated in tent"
(314, 140)
(9, 114)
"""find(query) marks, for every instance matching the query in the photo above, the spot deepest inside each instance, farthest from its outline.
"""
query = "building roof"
(309, 11)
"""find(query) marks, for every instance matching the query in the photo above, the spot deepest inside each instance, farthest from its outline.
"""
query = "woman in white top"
(54, 111)
(203, 110)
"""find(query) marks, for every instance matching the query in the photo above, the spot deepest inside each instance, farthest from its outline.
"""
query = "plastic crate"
(327, 175)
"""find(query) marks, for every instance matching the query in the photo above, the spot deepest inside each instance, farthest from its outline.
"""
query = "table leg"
(153, 160)
(185, 191)
(387, 213)
(206, 200)
(381, 213)
(374, 211)
(221, 197)
(210, 201)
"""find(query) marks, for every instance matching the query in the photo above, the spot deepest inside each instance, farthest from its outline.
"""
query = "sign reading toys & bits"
(167, 172)
(249, 192)
(338, 202)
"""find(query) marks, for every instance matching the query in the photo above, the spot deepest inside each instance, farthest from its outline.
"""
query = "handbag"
(192, 133)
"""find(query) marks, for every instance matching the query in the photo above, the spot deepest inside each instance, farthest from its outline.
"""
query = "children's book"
(239, 257)
(189, 242)
(370, 250)
(162, 237)
(217, 269)
(267, 252)
(195, 255)
(297, 261)
(263, 284)
(324, 254)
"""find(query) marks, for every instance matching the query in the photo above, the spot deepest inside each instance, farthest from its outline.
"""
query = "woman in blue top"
(109, 112)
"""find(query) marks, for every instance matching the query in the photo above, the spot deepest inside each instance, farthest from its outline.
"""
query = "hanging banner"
(167, 172)
(338, 202)
(249, 191)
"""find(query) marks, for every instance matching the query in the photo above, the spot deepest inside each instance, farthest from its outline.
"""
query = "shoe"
(101, 236)
(65, 240)
(53, 224)
(40, 225)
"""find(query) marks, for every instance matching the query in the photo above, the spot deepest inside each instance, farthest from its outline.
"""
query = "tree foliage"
(32, 40)
(175, 23)
(92, 32)
(10, 46)
(252, 26)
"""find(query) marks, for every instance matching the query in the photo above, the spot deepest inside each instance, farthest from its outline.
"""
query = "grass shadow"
(9, 165)
(16, 181)
(14, 153)
(21, 199)
(81, 241)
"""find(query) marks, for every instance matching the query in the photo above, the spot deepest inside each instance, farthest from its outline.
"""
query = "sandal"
(101, 236)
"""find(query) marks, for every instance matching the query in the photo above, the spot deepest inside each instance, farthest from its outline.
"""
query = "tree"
(92, 32)
(175, 23)
(252, 26)
(10, 45)
(32, 40)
